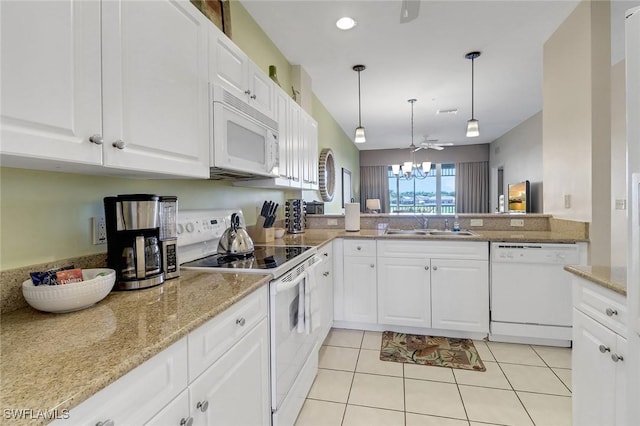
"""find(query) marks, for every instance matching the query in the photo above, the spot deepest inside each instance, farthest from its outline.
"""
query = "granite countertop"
(79, 353)
(55, 361)
(613, 278)
(317, 237)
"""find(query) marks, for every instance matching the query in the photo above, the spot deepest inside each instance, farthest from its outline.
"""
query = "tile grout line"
(551, 368)
(355, 367)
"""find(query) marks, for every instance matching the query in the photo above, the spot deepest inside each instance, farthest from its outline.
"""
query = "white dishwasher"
(531, 292)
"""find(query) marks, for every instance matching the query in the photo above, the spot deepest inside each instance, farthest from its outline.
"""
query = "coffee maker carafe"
(133, 240)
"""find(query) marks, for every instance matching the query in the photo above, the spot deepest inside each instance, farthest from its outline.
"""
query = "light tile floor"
(523, 385)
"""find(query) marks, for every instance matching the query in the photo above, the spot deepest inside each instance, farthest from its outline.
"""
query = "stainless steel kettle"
(235, 239)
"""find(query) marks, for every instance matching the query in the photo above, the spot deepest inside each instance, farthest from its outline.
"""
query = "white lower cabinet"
(460, 295)
(324, 281)
(138, 395)
(235, 389)
(599, 356)
(232, 389)
(404, 292)
(434, 284)
(360, 300)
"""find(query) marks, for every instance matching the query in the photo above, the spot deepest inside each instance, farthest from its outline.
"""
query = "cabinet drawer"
(359, 247)
(326, 252)
(137, 396)
(603, 305)
(474, 250)
(208, 342)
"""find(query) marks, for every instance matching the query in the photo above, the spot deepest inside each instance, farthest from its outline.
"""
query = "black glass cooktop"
(263, 257)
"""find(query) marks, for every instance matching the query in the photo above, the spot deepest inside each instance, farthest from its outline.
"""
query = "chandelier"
(410, 169)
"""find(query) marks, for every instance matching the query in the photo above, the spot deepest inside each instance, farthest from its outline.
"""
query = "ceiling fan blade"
(418, 148)
(409, 11)
(436, 147)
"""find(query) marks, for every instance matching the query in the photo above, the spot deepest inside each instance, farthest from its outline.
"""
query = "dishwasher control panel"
(555, 254)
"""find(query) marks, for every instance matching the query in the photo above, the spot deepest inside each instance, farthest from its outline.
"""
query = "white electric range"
(293, 317)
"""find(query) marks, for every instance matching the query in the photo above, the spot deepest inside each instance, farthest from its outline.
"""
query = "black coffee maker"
(133, 247)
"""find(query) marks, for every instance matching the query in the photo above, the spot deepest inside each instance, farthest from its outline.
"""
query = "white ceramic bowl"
(278, 233)
(73, 296)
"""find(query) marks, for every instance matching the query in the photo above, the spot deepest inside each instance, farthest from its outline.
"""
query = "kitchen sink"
(430, 232)
(454, 233)
(407, 232)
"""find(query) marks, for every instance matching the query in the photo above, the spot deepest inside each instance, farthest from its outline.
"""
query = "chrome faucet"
(446, 224)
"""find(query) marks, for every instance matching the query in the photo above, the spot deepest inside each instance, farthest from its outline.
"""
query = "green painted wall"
(45, 216)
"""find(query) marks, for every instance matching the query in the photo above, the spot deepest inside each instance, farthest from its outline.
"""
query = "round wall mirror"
(327, 174)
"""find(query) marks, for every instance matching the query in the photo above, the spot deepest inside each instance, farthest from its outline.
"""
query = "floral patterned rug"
(430, 350)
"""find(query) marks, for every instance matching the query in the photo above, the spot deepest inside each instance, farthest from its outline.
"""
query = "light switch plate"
(476, 222)
(567, 201)
(621, 204)
(517, 222)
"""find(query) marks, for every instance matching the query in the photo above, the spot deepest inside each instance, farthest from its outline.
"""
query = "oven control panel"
(198, 226)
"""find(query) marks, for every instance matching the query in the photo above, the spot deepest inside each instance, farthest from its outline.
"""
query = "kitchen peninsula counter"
(55, 361)
(318, 237)
(613, 278)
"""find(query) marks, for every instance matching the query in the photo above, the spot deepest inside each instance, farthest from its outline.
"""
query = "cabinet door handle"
(326, 254)
(241, 322)
(604, 348)
(426, 268)
(435, 268)
(611, 312)
(358, 248)
(119, 144)
(253, 97)
(247, 92)
(203, 406)
(97, 139)
(186, 421)
(616, 357)
(325, 274)
(107, 422)
(372, 265)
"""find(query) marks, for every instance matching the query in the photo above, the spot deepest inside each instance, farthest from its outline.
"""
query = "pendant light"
(473, 129)
(359, 136)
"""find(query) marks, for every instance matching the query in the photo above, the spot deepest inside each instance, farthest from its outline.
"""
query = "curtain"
(472, 187)
(374, 183)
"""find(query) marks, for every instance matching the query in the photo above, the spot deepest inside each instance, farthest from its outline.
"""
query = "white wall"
(577, 123)
(618, 165)
(519, 153)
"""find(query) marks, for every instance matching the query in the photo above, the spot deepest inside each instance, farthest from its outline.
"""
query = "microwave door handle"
(274, 159)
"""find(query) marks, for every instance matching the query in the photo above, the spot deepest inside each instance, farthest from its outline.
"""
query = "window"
(433, 193)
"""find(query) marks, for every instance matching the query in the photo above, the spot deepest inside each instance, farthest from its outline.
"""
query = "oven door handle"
(284, 286)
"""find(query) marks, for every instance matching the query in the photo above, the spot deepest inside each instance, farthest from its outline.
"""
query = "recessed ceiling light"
(346, 23)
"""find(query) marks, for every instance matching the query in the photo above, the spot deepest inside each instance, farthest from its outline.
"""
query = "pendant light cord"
(359, 103)
(472, 88)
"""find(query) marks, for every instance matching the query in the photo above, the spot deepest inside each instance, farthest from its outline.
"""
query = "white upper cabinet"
(309, 158)
(155, 87)
(109, 73)
(232, 68)
(51, 76)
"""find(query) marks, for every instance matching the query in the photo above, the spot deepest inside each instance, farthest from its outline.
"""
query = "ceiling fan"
(431, 145)
(409, 10)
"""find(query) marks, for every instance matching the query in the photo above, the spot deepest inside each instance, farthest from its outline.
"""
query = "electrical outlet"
(567, 201)
(99, 227)
(517, 222)
(332, 222)
(621, 204)
(476, 222)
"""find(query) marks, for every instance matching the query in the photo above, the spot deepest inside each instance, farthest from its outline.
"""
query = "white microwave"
(245, 141)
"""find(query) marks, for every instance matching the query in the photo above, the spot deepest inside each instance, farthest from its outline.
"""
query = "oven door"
(290, 348)
(243, 144)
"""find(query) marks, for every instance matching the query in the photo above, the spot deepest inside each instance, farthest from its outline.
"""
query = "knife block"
(261, 235)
